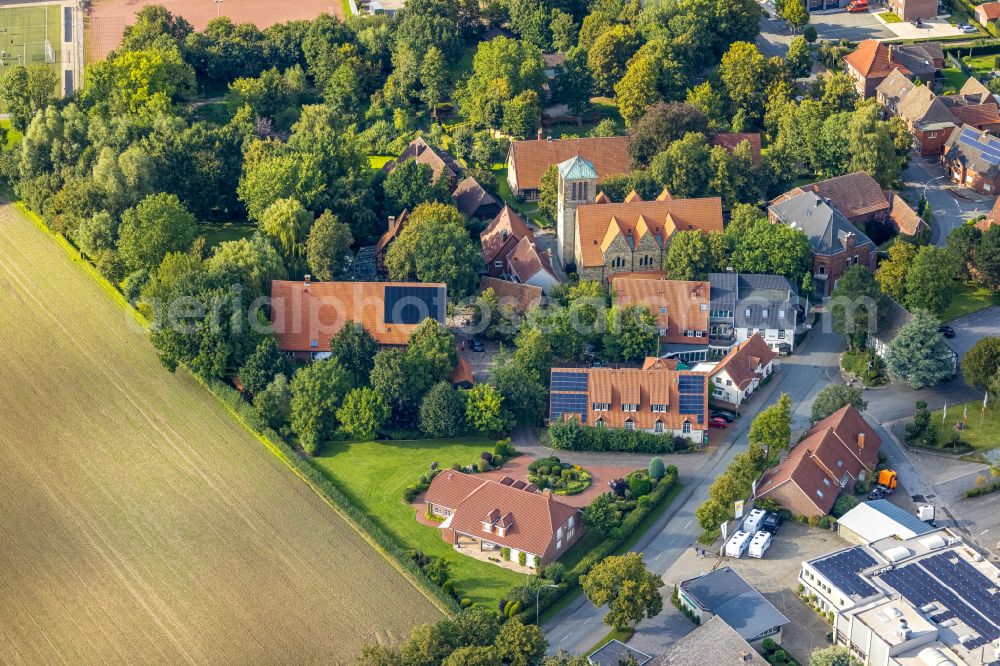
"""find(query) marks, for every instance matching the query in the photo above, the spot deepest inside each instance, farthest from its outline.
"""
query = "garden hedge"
(571, 436)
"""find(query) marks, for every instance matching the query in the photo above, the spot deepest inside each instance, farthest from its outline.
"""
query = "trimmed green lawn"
(523, 208)
(13, 136)
(982, 438)
(379, 161)
(889, 17)
(374, 475)
(954, 78)
(217, 232)
(969, 297)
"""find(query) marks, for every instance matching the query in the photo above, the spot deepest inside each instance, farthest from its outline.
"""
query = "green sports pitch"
(30, 34)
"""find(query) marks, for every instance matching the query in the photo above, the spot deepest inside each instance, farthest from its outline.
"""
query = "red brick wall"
(791, 497)
(931, 143)
(835, 266)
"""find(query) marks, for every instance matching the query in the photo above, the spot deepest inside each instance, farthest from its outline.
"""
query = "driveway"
(951, 206)
(852, 27)
(972, 327)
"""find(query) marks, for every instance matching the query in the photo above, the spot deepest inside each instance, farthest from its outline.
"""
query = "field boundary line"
(215, 389)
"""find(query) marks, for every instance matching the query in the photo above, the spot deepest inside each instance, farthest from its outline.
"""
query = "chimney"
(861, 440)
(392, 221)
(539, 133)
(307, 279)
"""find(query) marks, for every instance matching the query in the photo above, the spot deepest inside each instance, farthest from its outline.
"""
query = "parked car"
(877, 493)
(946, 331)
(717, 422)
(476, 345)
(725, 414)
(857, 6)
(967, 28)
(772, 522)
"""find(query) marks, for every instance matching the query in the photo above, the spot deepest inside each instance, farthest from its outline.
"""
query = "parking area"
(840, 24)
(972, 327)
(775, 576)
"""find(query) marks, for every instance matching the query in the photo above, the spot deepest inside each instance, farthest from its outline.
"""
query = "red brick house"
(490, 515)
(836, 452)
(510, 252)
(837, 244)
(910, 10)
(972, 158)
(872, 62)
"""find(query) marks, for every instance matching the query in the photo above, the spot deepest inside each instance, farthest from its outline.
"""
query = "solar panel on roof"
(569, 381)
(842, 570)
(412, 304)
(691, 395)
(568, 403)
(989, 150)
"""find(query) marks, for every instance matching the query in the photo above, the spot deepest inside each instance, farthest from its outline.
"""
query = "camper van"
(737, 545)
(759, 544)
(754, 520)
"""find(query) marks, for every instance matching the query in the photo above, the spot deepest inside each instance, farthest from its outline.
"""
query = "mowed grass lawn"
(142, 524)
(982, 438)
(969, 297)
(374, 474)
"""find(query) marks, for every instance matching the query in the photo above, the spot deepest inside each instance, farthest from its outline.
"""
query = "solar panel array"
(691, 395)
(990, 150)
(957, 586)
(413, 304)
(568, 396)
(842, 569)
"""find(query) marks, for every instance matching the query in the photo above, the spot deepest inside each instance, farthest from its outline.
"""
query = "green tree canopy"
(328, 247)
(930, 278)
(286, 224)
(502, 69)
(772, 427)
(630, 333)
(918, 354)
(689, 256)
(317, 391)
(157, 225)
(434, 246)
(363, 413)
(892, 272)
(630, 591)
(834, 397)
(981, 365)
(262, 366)
(857, 306)
(442, 411)
(355, 349)
(484, 410)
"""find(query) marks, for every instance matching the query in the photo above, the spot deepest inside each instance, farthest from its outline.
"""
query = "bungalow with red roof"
(987, 13)
(836, 452)
(735, 378)
(491, 515)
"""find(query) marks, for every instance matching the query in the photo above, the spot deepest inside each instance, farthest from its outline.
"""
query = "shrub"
(814, 521)
(617, 487)
(638, 483)
(656, 469)
(571, 436)
(537, 561)
(487, 458)
(825, 522)
(410, 494)
(844, 504)
(555, 572)
(768, 646)
(505, 553)
(522, 558)
(497, 461)
(465, 602)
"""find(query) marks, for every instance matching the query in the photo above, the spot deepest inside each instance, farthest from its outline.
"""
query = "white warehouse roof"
(881, 519)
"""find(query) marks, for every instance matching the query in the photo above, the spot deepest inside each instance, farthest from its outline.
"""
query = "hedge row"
(607, 546)
(247, 417)
(571, 436)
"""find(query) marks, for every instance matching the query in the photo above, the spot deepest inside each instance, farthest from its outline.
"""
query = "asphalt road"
(949, 211)
(813, 366)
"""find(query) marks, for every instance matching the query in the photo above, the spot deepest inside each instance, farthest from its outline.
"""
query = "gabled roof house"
(490, 515)
(510, 252)
(836, 452)
(441, 163)
(679, 307)
(528, 160)
(972, 158)
(735, 378)
(873, 61)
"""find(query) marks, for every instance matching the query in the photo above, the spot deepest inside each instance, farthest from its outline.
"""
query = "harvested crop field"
(138, 522)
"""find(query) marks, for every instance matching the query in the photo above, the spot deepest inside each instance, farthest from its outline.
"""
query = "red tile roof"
(526, 260)
(597, 224)
(502, 234)
(462, 373)
(852, 194)
(522, 297)
(677, 305)
(730, 140)
(992, 218)
(531, 518)
(746, 361)
(306, 315)
(989, 10)
(977, 115)
(905, 218)
(872, 60)
(395, 228)
(609, 155)
(854, 432)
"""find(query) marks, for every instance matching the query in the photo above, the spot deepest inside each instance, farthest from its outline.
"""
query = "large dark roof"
(739, 292)
(825, 226)
(978, 150)
(724, 593)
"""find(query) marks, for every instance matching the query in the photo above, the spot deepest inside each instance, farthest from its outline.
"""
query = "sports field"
(31, 35)
(138, 522)
(108, 18)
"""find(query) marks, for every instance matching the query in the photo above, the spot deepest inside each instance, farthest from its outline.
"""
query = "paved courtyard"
(951, 206)
(974, 326)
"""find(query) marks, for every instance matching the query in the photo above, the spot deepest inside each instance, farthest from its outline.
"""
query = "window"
(781, 314)
(487, 527)
(840, 463)
(729, 382)
(819, 492)
(662, 409)
(747, 312)
(629, 425)
(558, 544)
(559, 533)
(600, 406)
(573, 190)
(718, 393)
(718, 380)
(686, 428)
(601, 423)
(498, 264)
(704, 307)
(663, 332)
(826, 482)
(781, 333)
(855, 260)
(663, 309)
(569, 523)
(658, 427)
(765, 312)
(822, 270)
(629, 407)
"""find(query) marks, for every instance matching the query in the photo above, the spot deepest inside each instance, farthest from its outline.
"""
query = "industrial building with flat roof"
(914, 595)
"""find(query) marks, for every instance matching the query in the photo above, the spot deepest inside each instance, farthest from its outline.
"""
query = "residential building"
(987, 13)
(743, 304)
(915, 595)
(873, 61)
(461, 375)
(657, 398)
(510, 252)
(992, 218)
(724, 594)
(528, 160)
(602, 238)
(713, 642)
(835, 453)
(912, 10)
(393, 229)
(490, 515)
(931, 118)
(972, 158)
(515, 295)
(441, 163)
(306, 314)
(679, 307)
(735, 378)
(616, 653)
(475, 202)
(730, 140)
(860, 199)
(837, 244)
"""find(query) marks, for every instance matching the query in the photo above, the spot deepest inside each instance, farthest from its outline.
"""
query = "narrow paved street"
(950, 206)
(813, 365)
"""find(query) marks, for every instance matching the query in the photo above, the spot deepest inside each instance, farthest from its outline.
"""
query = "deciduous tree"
(857, 306)
(355, 349)
(363, 413)
(484, 410)
(630, 333)
(892, 272)
(317, 390)
(834, 397)
(157, 225)
(930, 278)
(630, 591)
(772, 427)
(328, 247)
(442, 411)
(262, 366)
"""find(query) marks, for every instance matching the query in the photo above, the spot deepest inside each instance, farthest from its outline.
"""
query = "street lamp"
(537, 592)
(218, 8)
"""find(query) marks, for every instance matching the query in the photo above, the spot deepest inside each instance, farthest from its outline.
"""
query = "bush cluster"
(562, 478)
(571, 436)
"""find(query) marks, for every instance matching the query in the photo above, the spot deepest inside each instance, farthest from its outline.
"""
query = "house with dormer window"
(679, 308)
(490, 515)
